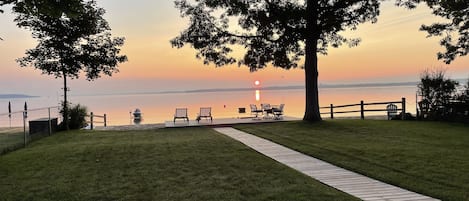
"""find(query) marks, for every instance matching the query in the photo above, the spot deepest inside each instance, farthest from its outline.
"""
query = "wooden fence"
(92, 120)
(362, 110)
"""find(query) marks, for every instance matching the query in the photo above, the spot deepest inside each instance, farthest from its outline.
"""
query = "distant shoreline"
(15, 96)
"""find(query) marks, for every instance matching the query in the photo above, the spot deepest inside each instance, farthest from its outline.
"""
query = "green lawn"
(164, 164)
(427, 157)
(11, 139)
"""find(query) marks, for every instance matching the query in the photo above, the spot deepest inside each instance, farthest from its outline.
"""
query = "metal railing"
(18, 135)
(362, 109)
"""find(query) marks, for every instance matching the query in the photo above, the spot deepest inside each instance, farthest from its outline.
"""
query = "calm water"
(157, 108)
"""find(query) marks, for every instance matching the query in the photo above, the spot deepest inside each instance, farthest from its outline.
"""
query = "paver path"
(349, 182)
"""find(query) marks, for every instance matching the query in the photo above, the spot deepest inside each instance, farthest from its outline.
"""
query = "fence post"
(24, 127)
(105, 121)
(91, 120)
(332, 111)
(417, 106)
(50, 123)
(362, 110)
(403, 108)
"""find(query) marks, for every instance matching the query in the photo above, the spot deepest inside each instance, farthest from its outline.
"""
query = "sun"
(257, 83)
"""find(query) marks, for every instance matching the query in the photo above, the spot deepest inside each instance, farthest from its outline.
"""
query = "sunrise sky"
(392, 50)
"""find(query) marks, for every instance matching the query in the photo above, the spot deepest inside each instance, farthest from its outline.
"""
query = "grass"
(427, 157)
(164, 164)
(10, 139)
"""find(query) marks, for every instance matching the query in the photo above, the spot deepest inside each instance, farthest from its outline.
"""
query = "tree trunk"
(65, 104)
(312, 112)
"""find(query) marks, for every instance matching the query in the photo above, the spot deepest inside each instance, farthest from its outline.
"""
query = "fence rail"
(26, 127)
(92, 120)
(362, 110)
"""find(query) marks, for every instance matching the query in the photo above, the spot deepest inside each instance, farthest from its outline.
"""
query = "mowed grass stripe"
(164, 164)
(358, 185)
(430, 158)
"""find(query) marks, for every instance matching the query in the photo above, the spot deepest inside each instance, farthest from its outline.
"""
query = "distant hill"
(12, 96)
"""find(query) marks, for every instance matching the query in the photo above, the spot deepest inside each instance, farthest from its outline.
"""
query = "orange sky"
(391, 50)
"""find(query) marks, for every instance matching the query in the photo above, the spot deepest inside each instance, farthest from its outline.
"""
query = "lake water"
(157, 107)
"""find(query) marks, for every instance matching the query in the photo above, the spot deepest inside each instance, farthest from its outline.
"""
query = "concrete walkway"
(349, 182)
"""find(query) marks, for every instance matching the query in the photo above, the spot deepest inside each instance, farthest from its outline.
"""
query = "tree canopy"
(73, 38)
(273, 32)
(51, 7)
(69, 45)
(454, 32)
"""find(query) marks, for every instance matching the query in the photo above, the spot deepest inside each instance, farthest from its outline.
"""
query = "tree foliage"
(70, 44)
(273, 32)
(437, 91)
(454, 32)
(50, 7)
(73, 39)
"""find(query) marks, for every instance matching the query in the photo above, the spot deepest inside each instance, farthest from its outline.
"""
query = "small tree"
(436, 91)
(276, 32)
(73, 37)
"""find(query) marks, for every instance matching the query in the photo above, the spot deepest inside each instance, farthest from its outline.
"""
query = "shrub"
(440, 99)
(437, 91)
(77, 117)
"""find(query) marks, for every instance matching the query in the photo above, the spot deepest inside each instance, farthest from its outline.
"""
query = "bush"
(76, 117)
(440, 99)
(437, 91)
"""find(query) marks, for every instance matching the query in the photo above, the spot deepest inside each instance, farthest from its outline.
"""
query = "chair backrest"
(281, 107)
(253, 107)
(205, 111)
(391, 108)
(266, 106)
(181, 112)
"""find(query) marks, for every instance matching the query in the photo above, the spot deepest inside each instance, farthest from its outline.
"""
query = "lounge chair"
(254, 110)
(181, 113)
(392, 111)
(205, 112)
(278, 112)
